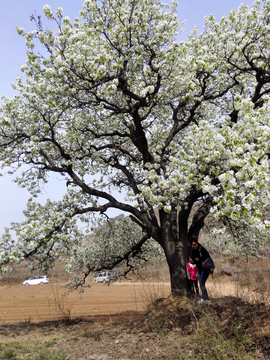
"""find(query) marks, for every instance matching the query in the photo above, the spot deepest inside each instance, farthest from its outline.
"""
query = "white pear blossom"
(48, 11)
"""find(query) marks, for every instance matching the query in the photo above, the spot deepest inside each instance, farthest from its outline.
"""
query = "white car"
(37, 280)
(104, 277)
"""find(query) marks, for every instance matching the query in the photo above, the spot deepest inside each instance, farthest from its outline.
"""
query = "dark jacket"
(202, 254)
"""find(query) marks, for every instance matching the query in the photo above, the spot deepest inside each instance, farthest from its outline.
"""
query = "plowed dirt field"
(53, 301)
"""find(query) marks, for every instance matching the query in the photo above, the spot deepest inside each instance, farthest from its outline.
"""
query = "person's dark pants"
(203, 276)
(193, 287)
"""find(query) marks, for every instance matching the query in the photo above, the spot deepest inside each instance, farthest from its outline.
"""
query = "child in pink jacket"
(192, 276)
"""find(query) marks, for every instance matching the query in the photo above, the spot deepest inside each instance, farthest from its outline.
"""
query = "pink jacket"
(192, 271)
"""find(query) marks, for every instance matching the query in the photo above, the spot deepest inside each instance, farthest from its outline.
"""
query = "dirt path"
(50, 302)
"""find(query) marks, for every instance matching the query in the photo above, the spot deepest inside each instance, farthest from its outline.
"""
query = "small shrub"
(64, 312)
(50, 343)
(227, 270)
(8, 354)
(235, 277)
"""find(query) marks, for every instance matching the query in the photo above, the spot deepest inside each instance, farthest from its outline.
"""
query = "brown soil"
(53, 301)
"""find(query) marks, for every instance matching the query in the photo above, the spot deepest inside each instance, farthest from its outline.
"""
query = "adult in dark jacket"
(200, 254)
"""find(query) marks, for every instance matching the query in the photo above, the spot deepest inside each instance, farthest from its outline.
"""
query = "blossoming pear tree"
(115, 103)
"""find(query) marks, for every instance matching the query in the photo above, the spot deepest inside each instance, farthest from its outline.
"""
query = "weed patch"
(8, 354)
(228, 328)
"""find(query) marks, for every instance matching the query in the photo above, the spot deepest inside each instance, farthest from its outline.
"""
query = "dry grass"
(251, 279)
(16, 276)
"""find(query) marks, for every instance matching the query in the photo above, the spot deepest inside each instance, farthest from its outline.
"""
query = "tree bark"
(176, 256)
(176, 251)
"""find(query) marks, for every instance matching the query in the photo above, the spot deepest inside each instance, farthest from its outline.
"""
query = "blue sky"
(17, 13)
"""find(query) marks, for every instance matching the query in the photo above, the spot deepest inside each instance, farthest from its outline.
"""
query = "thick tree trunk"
(175, 246)
(177, 255)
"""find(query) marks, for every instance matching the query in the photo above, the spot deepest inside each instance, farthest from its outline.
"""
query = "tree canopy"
(117, 104)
